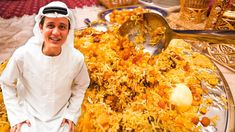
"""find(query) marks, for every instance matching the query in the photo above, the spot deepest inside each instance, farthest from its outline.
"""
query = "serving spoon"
(133, 27)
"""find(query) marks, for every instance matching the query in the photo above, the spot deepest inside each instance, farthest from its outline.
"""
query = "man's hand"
(70, 123)
(17, 127)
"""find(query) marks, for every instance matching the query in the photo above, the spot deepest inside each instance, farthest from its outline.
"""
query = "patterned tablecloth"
(18, 8)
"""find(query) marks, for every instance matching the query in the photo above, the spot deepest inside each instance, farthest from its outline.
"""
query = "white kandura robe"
(48, 88)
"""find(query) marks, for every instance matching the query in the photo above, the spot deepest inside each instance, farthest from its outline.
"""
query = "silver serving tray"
(225, 110)
(224, 54)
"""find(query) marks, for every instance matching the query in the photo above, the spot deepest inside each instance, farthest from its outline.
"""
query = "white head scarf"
(38, 38)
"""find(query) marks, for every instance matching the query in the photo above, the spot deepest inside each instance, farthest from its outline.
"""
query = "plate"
(104, 15)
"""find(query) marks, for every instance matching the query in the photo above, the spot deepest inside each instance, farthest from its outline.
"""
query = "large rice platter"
(131, 90)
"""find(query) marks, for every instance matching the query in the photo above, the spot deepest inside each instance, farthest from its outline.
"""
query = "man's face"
(55, 31)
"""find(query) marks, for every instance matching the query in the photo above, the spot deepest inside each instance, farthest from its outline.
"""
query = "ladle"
(152, 21)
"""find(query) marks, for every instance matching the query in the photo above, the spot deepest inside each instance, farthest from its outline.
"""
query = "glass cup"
(194, 10)
(222, 15)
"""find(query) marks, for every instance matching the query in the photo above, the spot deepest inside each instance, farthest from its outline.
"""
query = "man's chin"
(57, 44)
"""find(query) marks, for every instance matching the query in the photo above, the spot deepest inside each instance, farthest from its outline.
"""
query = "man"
(45, 80)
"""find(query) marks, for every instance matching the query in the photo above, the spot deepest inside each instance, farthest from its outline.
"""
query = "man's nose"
(56, 31)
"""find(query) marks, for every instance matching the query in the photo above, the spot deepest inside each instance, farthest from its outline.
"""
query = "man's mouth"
(55, 39)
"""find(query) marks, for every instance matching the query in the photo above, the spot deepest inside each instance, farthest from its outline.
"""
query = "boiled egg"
(181, 97)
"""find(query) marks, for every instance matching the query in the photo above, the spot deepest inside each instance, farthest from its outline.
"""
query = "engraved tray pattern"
(223, 54)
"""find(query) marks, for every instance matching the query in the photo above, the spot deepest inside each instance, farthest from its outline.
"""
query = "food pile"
(120, 16)
(131, 90)
(4, 124)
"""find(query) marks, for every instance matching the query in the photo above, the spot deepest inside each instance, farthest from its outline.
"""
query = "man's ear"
(40, 26)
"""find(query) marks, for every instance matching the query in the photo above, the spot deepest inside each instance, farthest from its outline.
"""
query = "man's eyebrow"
(50, 23)
(61, 23)
(64, 24)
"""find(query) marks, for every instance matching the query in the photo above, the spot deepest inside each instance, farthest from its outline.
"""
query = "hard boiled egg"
(182, 97)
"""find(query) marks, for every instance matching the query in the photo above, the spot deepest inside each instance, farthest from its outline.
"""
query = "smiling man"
(45, 80)
(55, 31)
